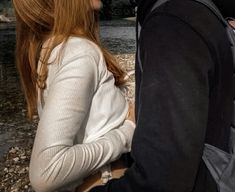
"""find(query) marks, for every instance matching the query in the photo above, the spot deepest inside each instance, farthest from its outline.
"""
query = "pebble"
(13, 150)
(23, 157)
(16, 159)
(15, 190)
(22, 171)
(17, 148)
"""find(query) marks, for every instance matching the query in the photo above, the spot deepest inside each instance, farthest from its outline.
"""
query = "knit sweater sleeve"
(56, 161)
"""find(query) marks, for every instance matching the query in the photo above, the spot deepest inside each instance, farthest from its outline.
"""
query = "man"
(184, 97)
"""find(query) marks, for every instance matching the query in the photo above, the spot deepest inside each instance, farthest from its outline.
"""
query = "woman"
(72, 80)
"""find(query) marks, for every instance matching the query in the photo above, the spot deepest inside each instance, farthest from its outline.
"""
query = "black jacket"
(184, 97)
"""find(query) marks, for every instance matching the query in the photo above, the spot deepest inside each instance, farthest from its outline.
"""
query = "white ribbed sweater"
(82, 125)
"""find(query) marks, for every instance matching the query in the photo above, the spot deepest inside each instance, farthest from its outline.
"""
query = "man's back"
(191, 64)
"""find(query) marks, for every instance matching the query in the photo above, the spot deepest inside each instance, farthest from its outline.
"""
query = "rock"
(17, 148)
(16, 159)
(22, 171)
(13, 150)
(14, 190)
(23, 157)
(4, 19)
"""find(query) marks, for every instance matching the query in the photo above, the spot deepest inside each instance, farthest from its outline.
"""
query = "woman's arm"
(55, 160)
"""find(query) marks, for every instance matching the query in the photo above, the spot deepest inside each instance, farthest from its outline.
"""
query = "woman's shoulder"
(80, 42)
(73, 56)
(75, 48)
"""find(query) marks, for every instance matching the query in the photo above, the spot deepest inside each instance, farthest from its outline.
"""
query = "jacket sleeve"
(172, 113)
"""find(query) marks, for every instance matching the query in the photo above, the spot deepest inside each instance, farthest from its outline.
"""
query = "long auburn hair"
(38, 21)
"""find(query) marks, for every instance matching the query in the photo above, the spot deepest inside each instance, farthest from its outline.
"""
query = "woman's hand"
(131, 112)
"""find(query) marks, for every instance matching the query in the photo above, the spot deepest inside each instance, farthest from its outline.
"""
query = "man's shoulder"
(189, 13)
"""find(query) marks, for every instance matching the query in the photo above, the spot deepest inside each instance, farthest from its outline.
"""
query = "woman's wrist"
(126, 132)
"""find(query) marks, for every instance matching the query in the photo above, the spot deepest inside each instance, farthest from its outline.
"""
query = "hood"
(227, 8)
(144, 6)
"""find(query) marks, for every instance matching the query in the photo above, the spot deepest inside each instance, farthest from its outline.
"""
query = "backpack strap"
(158, 4)
(221, 164)
(210, 5)
(230, 31)
(231, 36)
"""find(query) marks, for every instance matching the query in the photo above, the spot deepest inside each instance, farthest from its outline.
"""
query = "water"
(119, 36)
(11, 98)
